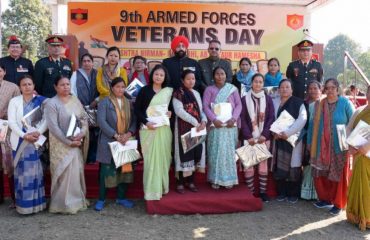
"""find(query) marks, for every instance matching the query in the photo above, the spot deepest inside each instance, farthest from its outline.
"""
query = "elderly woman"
(156, 142)
(28, 172)
(117, 122)
(68, 188)
(188, 107)
(8, 90)
(308, 191)
(256, 118)
(243, 78)
(140, 70)
(83, 86)
(223, 135)
(358, 207)
(110, 71)
(287, 158)
(329, 162)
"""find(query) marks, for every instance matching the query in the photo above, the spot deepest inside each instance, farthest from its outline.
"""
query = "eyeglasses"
(212, 48)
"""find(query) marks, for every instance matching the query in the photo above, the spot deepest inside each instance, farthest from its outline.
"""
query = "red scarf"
(136, 75)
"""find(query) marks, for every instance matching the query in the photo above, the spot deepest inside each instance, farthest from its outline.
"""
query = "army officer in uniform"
(49, 68)
(304, 70)
(15, 65)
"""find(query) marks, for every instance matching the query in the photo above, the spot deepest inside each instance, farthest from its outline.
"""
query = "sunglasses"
(212, 48)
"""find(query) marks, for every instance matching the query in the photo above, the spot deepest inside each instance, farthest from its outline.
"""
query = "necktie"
(58, 63)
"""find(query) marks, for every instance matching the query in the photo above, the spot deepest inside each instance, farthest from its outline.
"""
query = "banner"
(146, 28)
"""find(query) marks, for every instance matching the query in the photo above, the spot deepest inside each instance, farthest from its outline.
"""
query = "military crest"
(79, 16)
(294, 21)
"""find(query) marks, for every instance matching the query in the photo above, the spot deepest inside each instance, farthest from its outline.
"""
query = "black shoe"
(264, 197)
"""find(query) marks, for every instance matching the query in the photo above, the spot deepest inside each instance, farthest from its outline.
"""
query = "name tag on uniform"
(314, 70)
(66, 68)
(189, 68)
(50, 70)
(20, 69)
(296, 72)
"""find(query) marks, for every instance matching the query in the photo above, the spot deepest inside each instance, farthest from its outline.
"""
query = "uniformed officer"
(49, 68)
(15, 65)
(304, 70)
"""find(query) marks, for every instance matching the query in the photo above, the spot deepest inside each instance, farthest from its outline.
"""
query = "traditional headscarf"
(177, 40)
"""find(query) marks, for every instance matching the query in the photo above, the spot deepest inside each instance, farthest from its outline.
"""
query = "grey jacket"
(107, 121)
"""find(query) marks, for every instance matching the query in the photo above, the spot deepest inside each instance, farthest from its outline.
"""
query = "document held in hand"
(360, 136)
(133, 88)
(283, 123)
(123, 154)
(3, 130)
(158, 115)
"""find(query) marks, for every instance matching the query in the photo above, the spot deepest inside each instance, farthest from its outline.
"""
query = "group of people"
(314, 166)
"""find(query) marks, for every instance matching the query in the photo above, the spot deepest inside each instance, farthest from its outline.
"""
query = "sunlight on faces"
(26, 86)
(63, 87)
(244, 66)
(200, 232)
(312, 227)
(158, 76)
(257, 84)
(119, 89)
(15, 50)
(273, 67)
(220, 76)
(285, 89)
(214, 49)
(113, 57)
(305, 54)
(189, 80)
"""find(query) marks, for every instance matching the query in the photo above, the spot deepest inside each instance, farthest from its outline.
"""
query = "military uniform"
(46, 72)
(16, 68)
(302, 73)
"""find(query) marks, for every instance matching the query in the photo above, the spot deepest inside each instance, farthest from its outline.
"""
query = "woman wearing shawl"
(330, 167)
(273, 76)
(358, 207)
(308, 191)
(28, 172)
(156, 142)
(243, 78)
(256, 118)
(287, 160)
(140, 71)
(117, 122)
(222, 137)
(110, 71)
(8, 90)
(188, 107)
(68, 188)
(83, 86)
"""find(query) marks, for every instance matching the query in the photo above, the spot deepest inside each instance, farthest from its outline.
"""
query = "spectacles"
(212, 48)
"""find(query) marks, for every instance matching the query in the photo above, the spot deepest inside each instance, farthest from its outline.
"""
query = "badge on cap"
(54, 40)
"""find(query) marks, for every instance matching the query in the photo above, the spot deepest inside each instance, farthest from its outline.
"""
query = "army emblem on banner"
(294, 21)
(79, 16)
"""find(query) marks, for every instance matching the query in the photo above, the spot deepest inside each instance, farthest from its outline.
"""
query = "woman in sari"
(28, 172)
(223, 135)
(117, 122)
(68, 188)
(287, 159)
(256, 118)
(156, 142)
(330, 167)
(308, 191)
(110, 71)
(358, 207)
(8, 90)
(188, 107)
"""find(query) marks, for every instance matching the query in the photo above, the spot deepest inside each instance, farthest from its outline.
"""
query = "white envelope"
(194, 132)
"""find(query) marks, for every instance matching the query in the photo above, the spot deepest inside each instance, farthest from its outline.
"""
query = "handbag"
(253, 155)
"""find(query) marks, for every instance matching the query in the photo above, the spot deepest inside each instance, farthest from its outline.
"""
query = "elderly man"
(15, 65)
(180, 62)
(304, 70)
(213, 61)
(49, 68)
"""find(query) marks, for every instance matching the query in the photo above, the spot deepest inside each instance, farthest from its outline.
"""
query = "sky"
(349, 17)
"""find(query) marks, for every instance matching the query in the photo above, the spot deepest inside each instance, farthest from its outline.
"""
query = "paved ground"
(276, 221)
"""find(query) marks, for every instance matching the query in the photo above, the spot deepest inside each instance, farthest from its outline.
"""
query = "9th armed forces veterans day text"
(159, 34)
